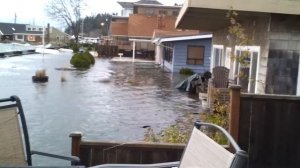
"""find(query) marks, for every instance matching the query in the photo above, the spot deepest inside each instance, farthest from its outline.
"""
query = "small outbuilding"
(175, 53)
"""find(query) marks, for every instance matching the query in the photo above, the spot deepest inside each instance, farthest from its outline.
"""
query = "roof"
(158, 6)
(171, 33)
(141, 40)
(130, 4)
(126, 4)
(182, 38)
(194, 10)
(11, 28)
(153, 2)
(15, 28)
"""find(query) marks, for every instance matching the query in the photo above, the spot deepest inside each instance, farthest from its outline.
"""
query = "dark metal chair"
(14, 140)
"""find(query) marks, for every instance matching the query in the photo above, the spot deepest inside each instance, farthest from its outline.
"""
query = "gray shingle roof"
(152, 2)
(126, 4)
(130, 4)
(12, 28)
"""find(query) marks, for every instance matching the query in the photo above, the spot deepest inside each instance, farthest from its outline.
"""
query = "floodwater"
(110, 101)
(15, 47)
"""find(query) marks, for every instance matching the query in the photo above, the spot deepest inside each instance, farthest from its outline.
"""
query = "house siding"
(283, 64)
(256, 29)
(180, 55)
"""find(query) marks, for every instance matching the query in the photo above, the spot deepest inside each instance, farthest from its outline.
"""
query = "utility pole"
(15, 17)
(82, 28)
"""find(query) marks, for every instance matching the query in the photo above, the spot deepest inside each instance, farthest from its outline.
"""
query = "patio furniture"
(200, 152)
(220, 78)
(15, 145)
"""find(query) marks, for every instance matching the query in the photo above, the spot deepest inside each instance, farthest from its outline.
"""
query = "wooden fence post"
(75, 145)
(234, 111)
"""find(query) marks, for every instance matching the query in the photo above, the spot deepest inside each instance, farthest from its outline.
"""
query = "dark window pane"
(195, 55)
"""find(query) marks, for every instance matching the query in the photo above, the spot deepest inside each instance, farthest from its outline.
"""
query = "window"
(175, 13)
(29, 29)
(40, 29)
(217, 59)
(229, 62)
(168, 52)
(163, 12)
(19, 37)
(247, 72)
(149, 12)
(33, 29)
(195, 55)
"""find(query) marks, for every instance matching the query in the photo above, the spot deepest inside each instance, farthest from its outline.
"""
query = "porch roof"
(140, 40)
(181, 38)
(204, 15)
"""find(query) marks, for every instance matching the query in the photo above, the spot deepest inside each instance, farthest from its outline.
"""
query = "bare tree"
(67, 12)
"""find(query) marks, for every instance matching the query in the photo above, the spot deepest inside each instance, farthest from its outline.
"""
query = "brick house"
(147, 16)
(274, 29)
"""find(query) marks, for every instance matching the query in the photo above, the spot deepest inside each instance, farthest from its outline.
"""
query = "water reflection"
(135, 95)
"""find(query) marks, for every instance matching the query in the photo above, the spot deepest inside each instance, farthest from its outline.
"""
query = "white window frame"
(19, 39)
(221, 60)
(229, 63)
(251, 49)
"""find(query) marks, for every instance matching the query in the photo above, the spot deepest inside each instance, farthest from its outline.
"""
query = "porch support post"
(133, 51)
(234, 111)
(75, 143)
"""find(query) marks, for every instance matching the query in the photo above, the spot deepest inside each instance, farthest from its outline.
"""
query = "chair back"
(220, 77)
(203, 152)
(13, 139)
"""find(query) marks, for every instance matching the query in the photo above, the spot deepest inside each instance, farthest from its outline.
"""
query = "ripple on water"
(136, 95)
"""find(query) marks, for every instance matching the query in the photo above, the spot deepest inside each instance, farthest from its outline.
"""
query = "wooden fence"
(107, 50)
(96, 153)
(268, 127)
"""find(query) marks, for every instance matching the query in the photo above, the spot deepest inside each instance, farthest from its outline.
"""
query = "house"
(193, 52)
(274, 30)
(147, 16)
(21, 32)
(58, 37)
(128, 6)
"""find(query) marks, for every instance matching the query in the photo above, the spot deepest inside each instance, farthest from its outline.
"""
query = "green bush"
(82, 60)
(186, 71)
(172, 134)
(88, 47)
(92, 58)
(75, 48)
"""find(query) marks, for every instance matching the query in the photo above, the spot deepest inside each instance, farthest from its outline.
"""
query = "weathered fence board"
(96, 153)
(269, 129)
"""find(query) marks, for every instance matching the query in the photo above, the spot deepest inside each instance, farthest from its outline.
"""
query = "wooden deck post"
(234, 111)
(75, 145)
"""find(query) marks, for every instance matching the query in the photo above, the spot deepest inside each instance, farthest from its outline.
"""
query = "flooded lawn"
(110, 101)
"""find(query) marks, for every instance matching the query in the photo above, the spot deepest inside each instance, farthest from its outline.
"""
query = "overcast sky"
(33, 11)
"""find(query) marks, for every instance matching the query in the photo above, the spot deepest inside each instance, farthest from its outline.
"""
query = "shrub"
(88, 47)
(219, 116)
(82, 60)
(171, 134)
(75, 48)
(186, 71)
(90, 56)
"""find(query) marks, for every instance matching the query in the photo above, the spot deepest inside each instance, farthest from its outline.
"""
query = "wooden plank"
(273, 132)
(96, 153)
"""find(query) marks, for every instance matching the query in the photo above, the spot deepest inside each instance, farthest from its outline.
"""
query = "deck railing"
(95, 153)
